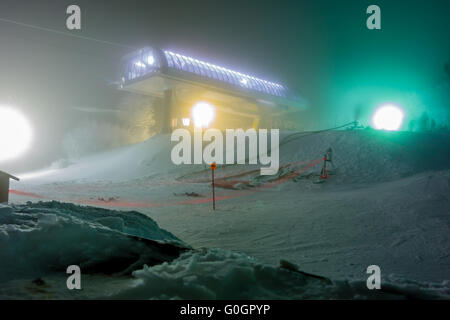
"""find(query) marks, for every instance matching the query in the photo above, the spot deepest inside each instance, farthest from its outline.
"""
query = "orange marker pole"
(213, 167)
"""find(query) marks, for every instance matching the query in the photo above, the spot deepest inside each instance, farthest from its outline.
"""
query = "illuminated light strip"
(209, 70)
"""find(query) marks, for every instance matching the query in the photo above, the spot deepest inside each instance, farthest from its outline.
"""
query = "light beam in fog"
(15, 133)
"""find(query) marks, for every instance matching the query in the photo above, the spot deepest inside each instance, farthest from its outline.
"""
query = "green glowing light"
(388, 117)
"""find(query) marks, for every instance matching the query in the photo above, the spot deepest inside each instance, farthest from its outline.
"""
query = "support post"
(213, 167)
(4, 190)
(4, 186)
(166, 111)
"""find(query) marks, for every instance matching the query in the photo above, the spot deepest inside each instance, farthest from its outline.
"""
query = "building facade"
(190, 90)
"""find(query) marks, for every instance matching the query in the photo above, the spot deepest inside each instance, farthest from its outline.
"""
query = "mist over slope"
(360, 155)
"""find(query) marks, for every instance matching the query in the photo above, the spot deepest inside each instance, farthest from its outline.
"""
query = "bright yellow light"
(202, 114)
(15, 133)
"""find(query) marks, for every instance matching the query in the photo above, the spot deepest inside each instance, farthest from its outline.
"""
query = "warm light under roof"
(202, 114)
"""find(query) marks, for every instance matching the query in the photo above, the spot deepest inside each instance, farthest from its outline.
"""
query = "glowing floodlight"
(203, 114)
(388, 117)
(15, 133)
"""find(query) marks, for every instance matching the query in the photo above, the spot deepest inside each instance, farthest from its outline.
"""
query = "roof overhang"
(7, 175)
(154, 84)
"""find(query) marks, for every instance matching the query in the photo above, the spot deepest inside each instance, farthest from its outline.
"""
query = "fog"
(66, 86)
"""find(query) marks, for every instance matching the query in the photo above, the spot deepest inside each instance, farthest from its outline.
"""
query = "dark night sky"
(320, 48)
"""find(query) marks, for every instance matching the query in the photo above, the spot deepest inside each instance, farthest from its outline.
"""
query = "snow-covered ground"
(387, 203)
(125, 255)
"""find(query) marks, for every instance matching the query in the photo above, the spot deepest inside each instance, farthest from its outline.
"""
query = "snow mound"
(223, 274)
(358, 155)
(144, 159)
(370, 156)
(42, 238)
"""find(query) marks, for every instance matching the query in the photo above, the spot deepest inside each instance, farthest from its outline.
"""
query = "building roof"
(188, 64)
(149, 62)
(7, 175)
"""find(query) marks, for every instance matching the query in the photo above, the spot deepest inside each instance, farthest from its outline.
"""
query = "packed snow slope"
(386, 201)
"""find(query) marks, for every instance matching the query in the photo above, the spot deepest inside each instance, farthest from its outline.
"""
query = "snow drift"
(38, 242)
(223, 274)
(38, 239)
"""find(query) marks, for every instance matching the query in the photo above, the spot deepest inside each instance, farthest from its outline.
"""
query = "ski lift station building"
(197, 93)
